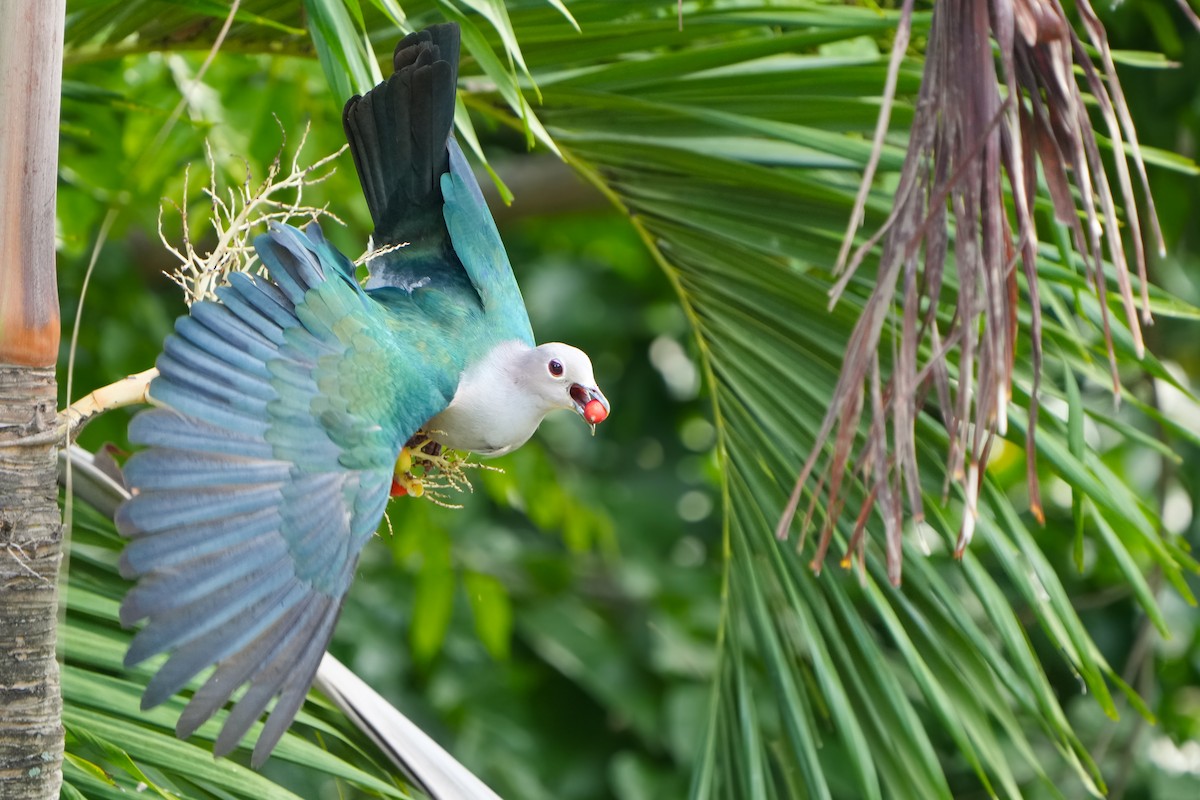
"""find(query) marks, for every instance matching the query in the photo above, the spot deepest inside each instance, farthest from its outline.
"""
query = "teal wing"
(421, 191)
(267, 469)
(478, 246)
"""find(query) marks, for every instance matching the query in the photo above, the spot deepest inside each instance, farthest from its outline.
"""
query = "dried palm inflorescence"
(998, 100)
(239, 211)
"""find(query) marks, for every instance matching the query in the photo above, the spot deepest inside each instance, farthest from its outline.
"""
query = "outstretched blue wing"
(268, 467)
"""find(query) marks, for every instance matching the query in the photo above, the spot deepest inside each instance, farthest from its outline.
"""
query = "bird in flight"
(285, 405)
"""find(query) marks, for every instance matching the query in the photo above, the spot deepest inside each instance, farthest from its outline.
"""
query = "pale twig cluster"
(376, 252)
(237, 213)
(446, 474)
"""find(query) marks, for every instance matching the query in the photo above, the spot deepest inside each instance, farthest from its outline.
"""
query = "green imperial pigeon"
(285, 406)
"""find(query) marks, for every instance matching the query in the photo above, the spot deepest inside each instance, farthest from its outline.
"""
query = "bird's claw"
(403, 481)
(426, 469)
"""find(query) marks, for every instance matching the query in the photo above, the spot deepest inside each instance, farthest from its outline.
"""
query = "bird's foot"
(403, 480)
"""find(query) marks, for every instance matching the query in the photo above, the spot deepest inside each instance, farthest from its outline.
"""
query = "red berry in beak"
(595, 412)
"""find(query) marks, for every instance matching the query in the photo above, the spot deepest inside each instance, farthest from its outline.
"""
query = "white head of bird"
(561, 376)
(503, 398)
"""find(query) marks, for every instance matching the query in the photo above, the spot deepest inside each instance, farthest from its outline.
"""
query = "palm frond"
(713, 152)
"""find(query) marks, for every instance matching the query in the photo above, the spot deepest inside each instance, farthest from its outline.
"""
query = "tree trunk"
(31, 734)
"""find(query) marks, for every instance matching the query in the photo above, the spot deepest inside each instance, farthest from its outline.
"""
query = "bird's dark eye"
(556, 368)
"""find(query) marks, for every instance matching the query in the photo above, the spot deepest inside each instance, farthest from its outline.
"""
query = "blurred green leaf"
(434, 599)
(341, 47)
(492, 610)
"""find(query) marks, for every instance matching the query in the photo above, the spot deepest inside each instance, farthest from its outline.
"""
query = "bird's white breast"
(493, 411)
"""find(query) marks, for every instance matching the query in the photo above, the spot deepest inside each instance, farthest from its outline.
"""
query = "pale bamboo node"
(126, 392)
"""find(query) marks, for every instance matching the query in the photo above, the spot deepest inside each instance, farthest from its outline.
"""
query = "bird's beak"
(590, 403)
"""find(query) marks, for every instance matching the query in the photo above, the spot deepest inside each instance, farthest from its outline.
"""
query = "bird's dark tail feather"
(397, 134)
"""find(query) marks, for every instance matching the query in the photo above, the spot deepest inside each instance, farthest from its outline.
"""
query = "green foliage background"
(563, 633)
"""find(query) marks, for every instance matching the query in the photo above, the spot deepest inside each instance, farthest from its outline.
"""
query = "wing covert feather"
(481, 251)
